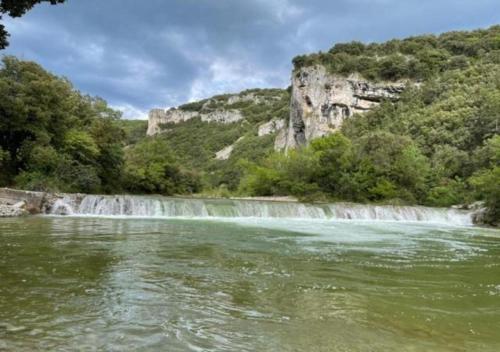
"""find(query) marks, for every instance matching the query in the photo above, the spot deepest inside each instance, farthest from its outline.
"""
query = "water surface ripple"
(95, 284)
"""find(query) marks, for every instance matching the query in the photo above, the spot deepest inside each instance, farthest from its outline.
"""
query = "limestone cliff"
(321, 102)
(223, 109)
(158, 117)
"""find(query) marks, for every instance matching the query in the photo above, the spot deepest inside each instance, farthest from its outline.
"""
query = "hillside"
(213, 135)
(433, 140)
(413, 121)
(417, 58)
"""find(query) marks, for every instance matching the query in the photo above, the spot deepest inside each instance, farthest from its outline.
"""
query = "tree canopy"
(418, 58)
(53, 138)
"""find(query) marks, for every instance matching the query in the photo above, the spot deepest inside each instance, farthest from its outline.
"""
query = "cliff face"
(321, 102)
(158, 117)
(223, 109)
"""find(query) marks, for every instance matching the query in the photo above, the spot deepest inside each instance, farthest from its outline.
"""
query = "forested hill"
(418, 58)
(437, 143)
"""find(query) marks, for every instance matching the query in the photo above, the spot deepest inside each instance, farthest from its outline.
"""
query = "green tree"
(395, 163)
(150, 167)
(486, 183)
(335, 155)
(54, 138)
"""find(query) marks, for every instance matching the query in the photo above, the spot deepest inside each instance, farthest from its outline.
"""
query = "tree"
(17, 8)
(395, 163)
(150, 167)
(335, 155)
(52, 138)
(486, 184)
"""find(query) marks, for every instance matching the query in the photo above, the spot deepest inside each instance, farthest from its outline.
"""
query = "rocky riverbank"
(12, 210)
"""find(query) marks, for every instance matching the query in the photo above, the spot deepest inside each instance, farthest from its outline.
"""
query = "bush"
(486, 184)
(150, 167)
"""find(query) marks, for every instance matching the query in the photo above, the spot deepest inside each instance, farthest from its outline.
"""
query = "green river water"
(116, 284)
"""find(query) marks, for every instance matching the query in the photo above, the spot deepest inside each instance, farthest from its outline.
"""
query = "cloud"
(131, 112)
(282, 10)
(230, 76)
(156, 53)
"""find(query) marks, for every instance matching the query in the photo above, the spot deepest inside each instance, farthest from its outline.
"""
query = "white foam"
(164, 207)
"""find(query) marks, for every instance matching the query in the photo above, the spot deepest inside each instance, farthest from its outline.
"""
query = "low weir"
(165, 207)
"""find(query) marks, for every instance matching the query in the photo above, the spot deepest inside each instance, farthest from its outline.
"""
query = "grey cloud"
(141, 54)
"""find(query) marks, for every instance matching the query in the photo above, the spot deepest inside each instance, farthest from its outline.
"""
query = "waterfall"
(164, 207)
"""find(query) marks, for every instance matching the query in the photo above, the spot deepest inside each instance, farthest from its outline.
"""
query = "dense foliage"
(416, 58)
(17, 8)
(439, 145)
(54, 138)
(135, 130)
(152, 168)
(196, 142)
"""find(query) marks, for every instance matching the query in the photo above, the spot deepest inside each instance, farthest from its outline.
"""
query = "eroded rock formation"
(220, 109)
(321, 102)
(271, 127)
(158, 117)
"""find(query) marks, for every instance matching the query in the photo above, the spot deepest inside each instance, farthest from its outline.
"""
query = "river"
(122, 283)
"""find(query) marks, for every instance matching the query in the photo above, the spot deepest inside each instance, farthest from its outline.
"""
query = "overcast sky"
(140, 54)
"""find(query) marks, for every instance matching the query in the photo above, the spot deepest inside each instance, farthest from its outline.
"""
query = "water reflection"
(111, 284)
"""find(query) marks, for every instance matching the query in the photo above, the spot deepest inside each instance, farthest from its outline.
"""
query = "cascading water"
(163, 207)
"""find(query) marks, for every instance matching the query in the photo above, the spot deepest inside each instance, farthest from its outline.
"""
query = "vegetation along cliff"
(412, 121)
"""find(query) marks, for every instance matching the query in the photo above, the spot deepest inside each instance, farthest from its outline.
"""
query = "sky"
(143, 54)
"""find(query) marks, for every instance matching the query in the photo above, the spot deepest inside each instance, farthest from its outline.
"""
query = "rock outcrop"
(158, 117)
(271, 127)
(321, 102)
(226, 152)
(19, 203)
(220, 109)
(15, 202)
(281, 139)
(12, 210)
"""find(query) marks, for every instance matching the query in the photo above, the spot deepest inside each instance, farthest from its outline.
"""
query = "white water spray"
(163, 207)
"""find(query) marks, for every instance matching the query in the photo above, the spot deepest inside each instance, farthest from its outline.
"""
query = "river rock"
(12, 210)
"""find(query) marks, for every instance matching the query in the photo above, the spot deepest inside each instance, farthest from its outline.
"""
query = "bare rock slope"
(321, 102)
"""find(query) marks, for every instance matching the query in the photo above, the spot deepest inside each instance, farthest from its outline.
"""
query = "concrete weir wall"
(29, 202)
